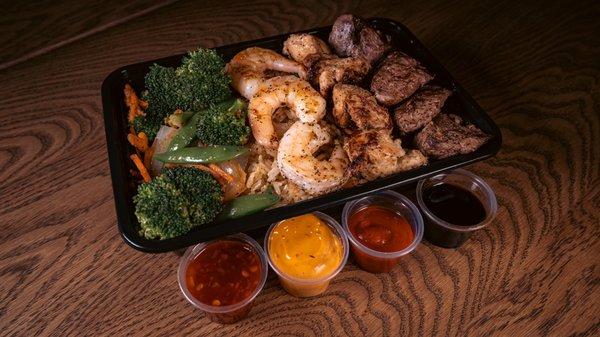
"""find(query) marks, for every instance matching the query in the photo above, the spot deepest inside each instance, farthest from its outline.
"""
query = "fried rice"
(263, 171)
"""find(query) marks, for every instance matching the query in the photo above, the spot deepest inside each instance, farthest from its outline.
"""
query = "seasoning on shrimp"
(304, 102)
(297, 162)
(249, 69)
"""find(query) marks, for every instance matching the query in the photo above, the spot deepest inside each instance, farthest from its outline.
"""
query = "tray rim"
(120, 180)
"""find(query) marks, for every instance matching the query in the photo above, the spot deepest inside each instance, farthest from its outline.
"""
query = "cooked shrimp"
(297, 162)
(304, 102)
(248, 69)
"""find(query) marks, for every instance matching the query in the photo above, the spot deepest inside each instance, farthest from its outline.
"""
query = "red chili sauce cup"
(381, 229)
(223, 277)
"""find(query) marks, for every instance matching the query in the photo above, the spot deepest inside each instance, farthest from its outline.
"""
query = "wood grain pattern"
(535, 271)
(32, 28)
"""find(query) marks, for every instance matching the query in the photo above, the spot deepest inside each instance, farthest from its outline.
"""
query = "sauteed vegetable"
(201, 155)
(198, 83)
(248, 204)
(179, 199)
(267, 129)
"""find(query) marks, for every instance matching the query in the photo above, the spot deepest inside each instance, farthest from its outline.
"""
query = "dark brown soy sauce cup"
(447, 235)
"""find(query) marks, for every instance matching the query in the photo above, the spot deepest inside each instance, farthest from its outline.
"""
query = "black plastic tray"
(115, 119)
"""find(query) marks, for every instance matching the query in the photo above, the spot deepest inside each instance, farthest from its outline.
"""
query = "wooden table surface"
(64, 269)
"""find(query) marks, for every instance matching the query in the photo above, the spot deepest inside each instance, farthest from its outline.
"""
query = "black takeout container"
(119, 150)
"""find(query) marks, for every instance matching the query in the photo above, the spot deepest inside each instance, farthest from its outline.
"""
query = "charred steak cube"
(446, 135)
(398, 77)
(352, 37)
(420, 108)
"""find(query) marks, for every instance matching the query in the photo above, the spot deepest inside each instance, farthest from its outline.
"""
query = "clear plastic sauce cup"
(373, 260)
(249, 288)
(306, 286)
(445, 234)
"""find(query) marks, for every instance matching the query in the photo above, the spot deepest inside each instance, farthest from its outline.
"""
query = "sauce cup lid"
(461, 177)
(400, 204)
(336, 228)
(193, 251)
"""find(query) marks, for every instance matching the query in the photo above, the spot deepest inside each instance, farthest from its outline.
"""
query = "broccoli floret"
(160, 82)
(146, 124)
(197, 84)
(202, 80)
(223, 126)
(176, 201)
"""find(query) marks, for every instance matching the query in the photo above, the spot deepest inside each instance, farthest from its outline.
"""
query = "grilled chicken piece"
(327, 72)
(398, 77)
(446, 135)
(306, 49)
(351, 36)
(420, 108)
(325, 68)
(355, 107)
(373, 154)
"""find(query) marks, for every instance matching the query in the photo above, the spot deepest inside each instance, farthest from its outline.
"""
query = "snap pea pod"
(186, 115)
(201, 155)
(187, 133)
(248, 204)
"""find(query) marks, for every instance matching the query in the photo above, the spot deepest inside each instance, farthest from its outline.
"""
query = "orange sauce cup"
(306, 252)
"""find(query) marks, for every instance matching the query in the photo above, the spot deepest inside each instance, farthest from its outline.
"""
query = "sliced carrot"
(219, 179)
(217, 176)
(143, 141)
(132, 139)
(219, 172)
(207, 169)
(140, 166)
(202, 167)
(148, 157)
(133, 103)
(140, 142)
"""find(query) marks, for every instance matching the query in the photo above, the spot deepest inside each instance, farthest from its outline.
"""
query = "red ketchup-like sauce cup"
(222, 277)
(382, 228)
